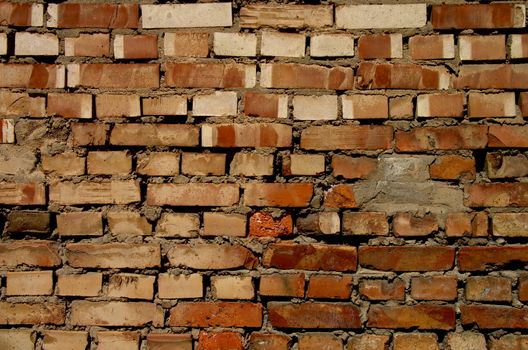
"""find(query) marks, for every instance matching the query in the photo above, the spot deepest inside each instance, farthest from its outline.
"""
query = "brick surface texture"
(252, 175)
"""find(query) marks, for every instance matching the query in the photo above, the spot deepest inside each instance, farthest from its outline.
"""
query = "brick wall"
(263, 176)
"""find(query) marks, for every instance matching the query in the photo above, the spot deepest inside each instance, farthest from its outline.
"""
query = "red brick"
(85, 15)
(330, 286)
(402, 76)
(313, 315)
(495, 105)
(353, 167)
(482, 47)
(382, 289)
(497, 195)
(380, 46)
(246, 135)
(271, 341)
(467, 224)
(113, 255)
(265, 105)
(114, 75)
(216, 314)
(453, 168)
(286, 16)
(430, 47)
(440, 105)
(466, 16)
(278, 194)
(21, 14)
(262, 224)
(365, 223)
(434, 288)
(340, 196)
(135, 46)
(494, 316)
(154, 135)
(310, 257)
(163, 341)
(502, 136)
(523, 287)
(282, 285)
(70, 105)
(489, 288)
(408, 225)
(89, 192)
(220, 341)
(485, 258)
(407, 258)
(442, 138)
(299, 76)
(186, 44)
(209, 256)
(347, 137)
(89, 134)
(420, 316)
(115, 313)
(32, 76)
(209, 75)
(90, 45)
(316, 341)
(32, 313)
(193, 194)
(22, 193)
(31, 253)
(492, 76)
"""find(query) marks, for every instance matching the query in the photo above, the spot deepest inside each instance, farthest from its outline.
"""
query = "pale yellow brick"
(315, 107)
(282, 44)
(36, 44)
(235, 44)
(187, 15)
(332, 45)
(232, 287)
(217, 104)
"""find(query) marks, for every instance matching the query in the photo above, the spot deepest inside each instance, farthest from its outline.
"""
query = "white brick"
(217, 104)
(8, 131)
(332, 45)
(282, 44)
(381, 16)
(34, 44)
(3, 44)
(187, 15)
(315, 107)
(235, 44)
(519, 46)
(232, 287)
(37, 15)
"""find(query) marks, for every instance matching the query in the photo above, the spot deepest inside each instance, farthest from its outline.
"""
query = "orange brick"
(347, 137)
(271, 341)
(299, 76)
(365, 223)
(408, 225)
(491, 105)
(22, 193)
(262, 224)
(35, 313)
(288, 285)
(31, 253)
(115, 106)
(482, 47)
(135, 46)
(161, 341)
(32, 76)
(86, 15)
(70, 105)
(216, 314)
(115, 313)
(442, 138)
(453, 168)
(314, 341)
(430, 47)
(265, 105)
(434, 288)
(440, 105)
(329, 286)
(21, 14)
(90, 45)
(220, 341)
(113, 255)
(382, 289)
(114, 75)
(277, 194)
(210, 75)
(462, 16)
(61, 340)
(80, 224)
(380, 46)
(246, 135)
(186, 44)
(352, 167)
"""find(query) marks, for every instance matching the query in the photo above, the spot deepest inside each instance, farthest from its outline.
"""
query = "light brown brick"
(109, 163)
(128, 224)
(203, 163)
(232, 287)
(80, 224)
(85, 285)
(178, 225)
(64, 340)
(115, 313)
(70, 105)
(172, 286)
(165, 105)
(115, 106)
(193, 194)
(110, 340)
(131, 286)
(221, 224)
(64, 164)
(158, 163)
(113, 255)
(211, 256)
(89, 192)
(29, 283)
(186, 44)
(303, 165)
(251, 164)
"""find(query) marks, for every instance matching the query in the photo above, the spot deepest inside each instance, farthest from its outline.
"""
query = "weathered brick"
(286, 16)
(154, 135)
(158, 163)
(109, 163)
(64, 164)
(180, 286)
(20, 104)
(186, 15)
(7, 131)
(282, 44)
(220, 341)
(519, 46)
(500, 165)
(365, 223)
(300, 76)
(440, 105)
(251, 164)
(401, 107)
(211, 256)
(216, 314)
(132, 286)
(453, 168)
(165, 105)
(492, 76)
(340, 196)
(353, 167)
(109, 340)
(80, 224)
(434, 288)
(331, 45)
(313, 315)
(494, 316)
(262, 224)
(203, 163)
(115, 313)
(32, 76)
(36, 313)
(3, 44)
(90, 45)
(382, 289)
(380, 46)
(407, 258)
(246, 135)
(329, 286)
(510, 224)
(210, 75)
(70, 105)
(402, 76)
(488, 288)
(115, 106)
(287, 285)
(114, 75)
(28, 222)
(303, 165)
(265, 105)
(271, 341)
(128, 224)
(135, 46)
(408, 225)
(409, 341)
(381, 16)
(21, 14)
(523, 288)
(65, 340)
(217, 104)
(509, 342)
(466, 341)
(315, 257)
(465, 16)
(88, 134)
(420, 316)
(365, 106)
(491, 105)
(430, 47)
(442, 138)
(313, 341)
(501, 136)
(368, 342)
(326, 223)
(113, 255)
(193, 194)
(31, 253)
(29, 283)
(485, 258)
(467, 224)
(347, 137)
(278, 194)
(85, 285)
(89, 192)
(186, 44)
(17, 339)
(235, 44)
(482, 47)
(323, 107)
(221, 224)
(232, 287)
(178, 225)
(36, 44)
(497, 195)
